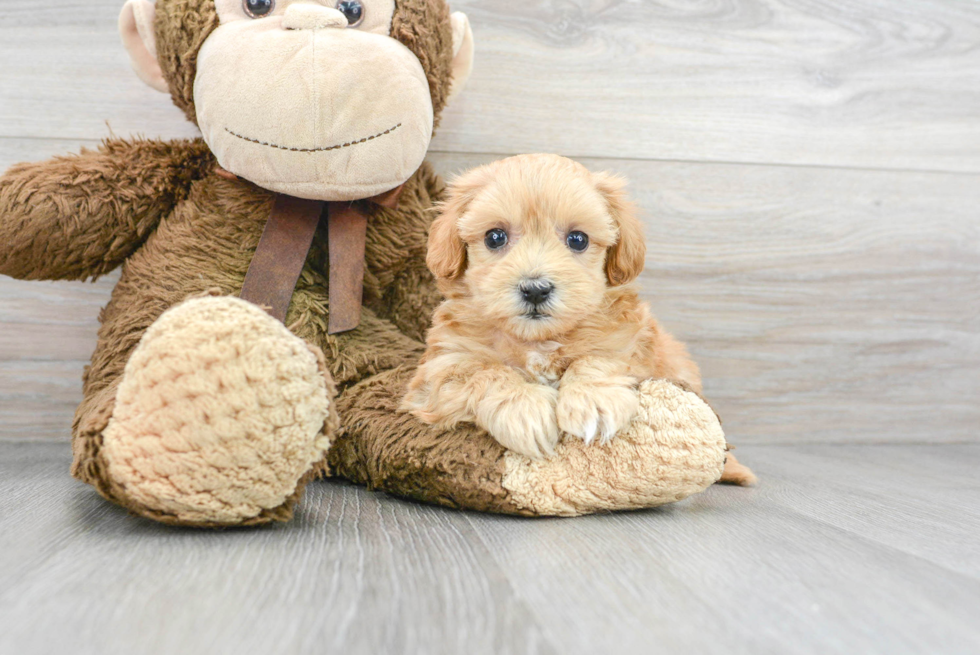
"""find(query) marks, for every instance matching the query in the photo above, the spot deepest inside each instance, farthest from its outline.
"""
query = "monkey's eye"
(578, 241)
(258, 8)
(495, 239)
(352, 10)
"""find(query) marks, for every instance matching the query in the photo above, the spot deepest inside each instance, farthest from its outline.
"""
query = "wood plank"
(17, 150)
(866, 83)
(733, 571)
(729, 571)
(47, 335)
(921, 500)
(68, 76)
(355, 572)
(38, 399)
(823, 305)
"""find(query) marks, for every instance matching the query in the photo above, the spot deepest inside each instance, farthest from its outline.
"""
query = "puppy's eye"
(352, 10)
(495, 239)
(578, 241)
(258, 8)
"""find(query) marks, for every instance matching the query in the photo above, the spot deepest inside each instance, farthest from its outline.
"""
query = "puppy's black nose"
(536, 292)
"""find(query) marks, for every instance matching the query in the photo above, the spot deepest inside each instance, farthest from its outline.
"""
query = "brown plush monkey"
(200, 408)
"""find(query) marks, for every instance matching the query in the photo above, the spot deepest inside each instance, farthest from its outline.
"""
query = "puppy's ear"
(626, 258)
(447, 250)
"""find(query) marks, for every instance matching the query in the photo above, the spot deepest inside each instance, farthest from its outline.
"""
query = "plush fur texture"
(79, 217)
(301, 104)
(182, 27)
(183, 241)
(215, 386)
(154, 431)
(673, 448)
(526, 372)
(425, 29)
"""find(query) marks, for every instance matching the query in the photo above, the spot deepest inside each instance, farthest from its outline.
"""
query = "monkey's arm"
(80, 216)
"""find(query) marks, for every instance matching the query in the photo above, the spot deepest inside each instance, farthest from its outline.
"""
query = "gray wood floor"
(842, 549)
(809, 176)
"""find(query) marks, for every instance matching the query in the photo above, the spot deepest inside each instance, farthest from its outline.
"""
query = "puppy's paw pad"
(525, 423)
(590, 411)
(737, 473)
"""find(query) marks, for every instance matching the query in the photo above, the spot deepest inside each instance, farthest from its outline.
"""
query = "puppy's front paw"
(524, 421)
(590, 409)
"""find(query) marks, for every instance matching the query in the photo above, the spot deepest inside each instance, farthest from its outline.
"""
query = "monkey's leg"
(737, 473)
(674, 448)
(217, 419)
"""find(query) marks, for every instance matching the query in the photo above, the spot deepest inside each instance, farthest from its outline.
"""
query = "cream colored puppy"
(541, 331)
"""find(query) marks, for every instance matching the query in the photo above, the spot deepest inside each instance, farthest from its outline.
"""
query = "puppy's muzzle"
(536, 292)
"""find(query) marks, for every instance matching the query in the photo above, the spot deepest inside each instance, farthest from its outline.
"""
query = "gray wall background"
(809, 173)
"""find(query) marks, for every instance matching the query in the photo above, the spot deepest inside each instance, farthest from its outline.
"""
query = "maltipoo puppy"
(541, 331)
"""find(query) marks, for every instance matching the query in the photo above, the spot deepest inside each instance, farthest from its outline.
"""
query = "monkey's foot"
(673, 448)
(220, 415)
(737, 473)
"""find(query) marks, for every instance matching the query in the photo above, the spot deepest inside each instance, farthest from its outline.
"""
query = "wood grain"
(356, 572)
(865, 83)
(734, 571)
(47, 335)
(872, 491)
(783, 568)
(823, 304)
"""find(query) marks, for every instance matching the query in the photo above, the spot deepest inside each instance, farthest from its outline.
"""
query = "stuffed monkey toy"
(250, 346)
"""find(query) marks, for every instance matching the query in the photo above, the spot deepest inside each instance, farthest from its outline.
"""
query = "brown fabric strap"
(281, 254)
(285, 245)
(347, 235)
(347, 232)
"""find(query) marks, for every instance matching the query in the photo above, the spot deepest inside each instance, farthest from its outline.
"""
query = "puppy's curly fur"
(538, 335)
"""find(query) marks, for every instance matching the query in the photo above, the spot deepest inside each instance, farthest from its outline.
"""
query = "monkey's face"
(315, 98)
(299, 102)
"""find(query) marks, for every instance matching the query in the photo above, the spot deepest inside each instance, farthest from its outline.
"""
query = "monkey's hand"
(80, 216)
(596, 400)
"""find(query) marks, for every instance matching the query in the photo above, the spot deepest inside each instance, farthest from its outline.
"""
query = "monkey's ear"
(463, 48)
(626, 258)
(136, 29)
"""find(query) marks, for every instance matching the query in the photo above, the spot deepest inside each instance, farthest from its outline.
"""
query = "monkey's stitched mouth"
(326, 149)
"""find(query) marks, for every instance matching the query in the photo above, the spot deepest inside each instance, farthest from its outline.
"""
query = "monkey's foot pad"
(674, 448)
(220, 413)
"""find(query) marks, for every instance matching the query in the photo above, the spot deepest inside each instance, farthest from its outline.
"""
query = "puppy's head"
(535, 241)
